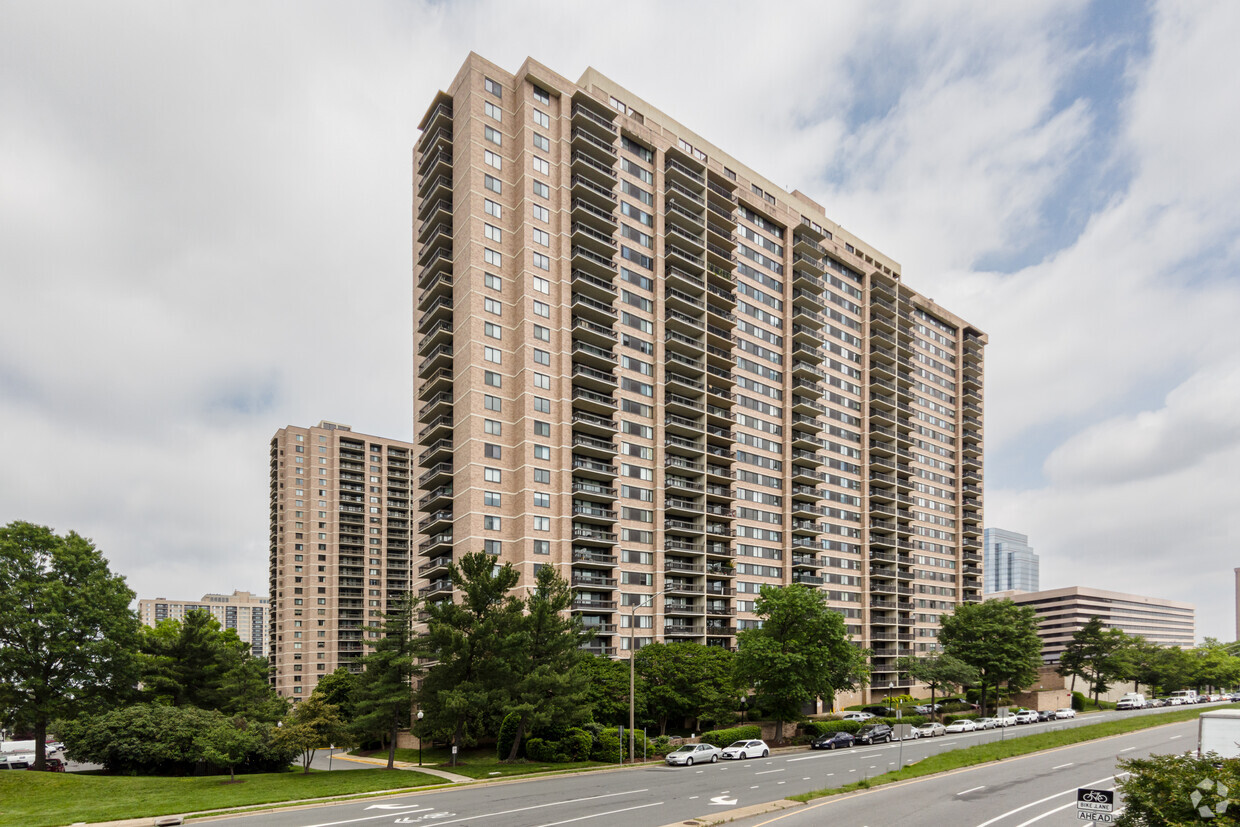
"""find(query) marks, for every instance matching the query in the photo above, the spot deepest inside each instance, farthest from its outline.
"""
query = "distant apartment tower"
(1062, 612)
(643, 363)
(340, 537)
(244, 612)
(1010, 563)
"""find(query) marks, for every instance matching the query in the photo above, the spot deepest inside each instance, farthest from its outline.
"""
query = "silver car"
(691, 754)
(745, 749)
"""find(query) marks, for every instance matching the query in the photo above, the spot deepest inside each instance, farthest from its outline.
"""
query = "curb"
(738, 813)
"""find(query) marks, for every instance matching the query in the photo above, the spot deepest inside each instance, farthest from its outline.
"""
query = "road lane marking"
(1061, 766)
(1048, 798)
(781, 782)
(489, 815)
(971, 790)
(1127, 749)
(1173, 737)
(754, 787)
(596, 815)
(694, 797)
(768, 772)
(1045, 814)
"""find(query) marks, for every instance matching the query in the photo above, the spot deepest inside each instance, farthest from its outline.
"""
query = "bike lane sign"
(1094, 805)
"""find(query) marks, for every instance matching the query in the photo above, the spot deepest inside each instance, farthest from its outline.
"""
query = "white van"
(1186, 696)
(1133, 700)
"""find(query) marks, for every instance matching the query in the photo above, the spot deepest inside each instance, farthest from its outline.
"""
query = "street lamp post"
(419, 739)
(633, 673)
(891, 688)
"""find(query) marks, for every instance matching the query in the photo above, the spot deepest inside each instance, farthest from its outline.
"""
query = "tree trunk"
(982, 706)
(932, 702)
(516, 740)
(662, 724)
(1072, 687)
(307, 756)
(232, 773)
(40, 742)
(392, 745)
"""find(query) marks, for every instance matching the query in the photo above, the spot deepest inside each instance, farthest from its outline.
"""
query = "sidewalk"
(405, 765)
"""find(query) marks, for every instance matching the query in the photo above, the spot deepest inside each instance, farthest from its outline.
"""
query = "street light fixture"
(632, 671)
(419, 739)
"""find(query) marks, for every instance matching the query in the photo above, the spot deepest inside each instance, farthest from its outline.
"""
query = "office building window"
(493, 87)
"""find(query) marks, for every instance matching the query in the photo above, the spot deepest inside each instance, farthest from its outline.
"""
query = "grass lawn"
(482, 763)
(47, 799)
(996, 750)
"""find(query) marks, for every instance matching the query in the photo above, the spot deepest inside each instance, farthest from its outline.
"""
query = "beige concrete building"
(340, 537)
(1062, 612)
(245, 612)
(642, 362)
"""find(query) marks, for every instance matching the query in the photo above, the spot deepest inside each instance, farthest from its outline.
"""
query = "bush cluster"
(723, 737)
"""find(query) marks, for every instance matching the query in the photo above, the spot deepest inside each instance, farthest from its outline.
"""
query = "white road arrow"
(723, 800)
(394, 807)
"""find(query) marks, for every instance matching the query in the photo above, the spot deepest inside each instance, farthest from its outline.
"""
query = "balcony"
(583, 533)
(586, 421)
(588, 191)
(590, 488)
(601, 219)
(592, 445)
(601, 123)
(598, 146)
(593, 557)
(603, 381)
(592, 468)
(684, 214)
(592, 331)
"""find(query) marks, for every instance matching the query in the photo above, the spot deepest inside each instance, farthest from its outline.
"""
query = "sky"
(205, 236)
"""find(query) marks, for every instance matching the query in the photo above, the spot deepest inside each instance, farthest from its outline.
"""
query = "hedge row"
(723, 737)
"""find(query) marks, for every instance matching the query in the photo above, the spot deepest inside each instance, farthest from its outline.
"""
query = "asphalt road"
(651, 796)
(1034, 789)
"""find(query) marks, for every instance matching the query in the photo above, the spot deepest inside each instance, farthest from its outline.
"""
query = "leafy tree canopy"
(997, 638)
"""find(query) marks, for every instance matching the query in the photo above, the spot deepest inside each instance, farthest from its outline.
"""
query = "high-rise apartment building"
(1009, 562)
(340, 556)
(244, 612)
(641, 362)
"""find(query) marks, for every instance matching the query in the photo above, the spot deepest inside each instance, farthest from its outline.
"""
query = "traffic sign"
(1095, 805)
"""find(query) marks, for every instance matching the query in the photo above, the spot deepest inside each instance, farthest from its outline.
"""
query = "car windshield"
(737, 744)
(689, 748)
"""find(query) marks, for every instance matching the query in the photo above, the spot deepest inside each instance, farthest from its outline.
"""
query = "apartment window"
(638, 215)
(542, 142)
(542, 452)
(493, 233)
(542, 333)
(542, 214)
(542, 190)
(644, 282)
(493, 111)
(542, 262)
(637, 149)
(492, 403)
(493, 87)
(493, 135)
(492, 451)
(493, 427)
(493, 306)
(492, 354)
(542, 357)
(542, 119)
(492, 475)
(542, 166)
(491, 498)
(542, 237)
(493, 379)
(542, 499)
(542, 546)
(637, 323)
(636, 235)
(492, 257)
(542, 95)
(492, 209)
(542, 309)
(542, 475)
(492, 547)
(633, 492)
(637, 258)
(490, 522)
(629, 188)
(492, 159)
(542, 404)
(542, 428)
(493, 184)
(493, 331)
(542, 523)
(542, 380)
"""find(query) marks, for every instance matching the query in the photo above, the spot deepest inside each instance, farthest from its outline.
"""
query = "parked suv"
(874, 734)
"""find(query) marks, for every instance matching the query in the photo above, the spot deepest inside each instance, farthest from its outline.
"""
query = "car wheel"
(688, 762)
(831, 745)
(765, 753)
(714, 758)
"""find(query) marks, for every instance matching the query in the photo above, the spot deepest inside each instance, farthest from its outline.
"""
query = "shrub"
(723, 737)
(661, 746)
(507, 734)
(577, 744)
(539, 749)
(1078, 701)
(606, 747)
(817, 728)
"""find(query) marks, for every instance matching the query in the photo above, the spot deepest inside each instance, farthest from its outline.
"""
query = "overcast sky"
(205, 236)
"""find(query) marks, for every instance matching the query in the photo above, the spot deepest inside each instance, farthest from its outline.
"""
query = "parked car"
(12, 762)
(691, 754)
(1066, 712)
(832, 740)
(880, 711)
(926, 709)
(1026, 716)
(962, 725)
(1006, 720)
(1046, 714)
(874, 734)
(745, 749)
(857, 716)
(929, 730)
(1154, 703)
(985, 723)
(50, 764)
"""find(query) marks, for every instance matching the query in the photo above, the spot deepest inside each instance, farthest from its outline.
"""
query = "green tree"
(607, 689)
(939, 672)
(1141, 660)
(1159, 790)
(313, 725)
(1097, 654)
(383, 699)
(685, 680)
(338, 689)
(547, 684)
(1213, 666)
(997, 638)
(67, 634)
(800, 652)
(466, 691)
(227, 743)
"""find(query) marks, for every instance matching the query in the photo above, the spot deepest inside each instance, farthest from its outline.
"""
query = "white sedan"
(963, 725)
(857, 716)
(1006, 720)
(691, 754)
(930, 730)
(1066, 712)
(745, 749)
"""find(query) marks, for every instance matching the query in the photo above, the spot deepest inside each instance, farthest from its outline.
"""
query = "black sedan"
(832, 740)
